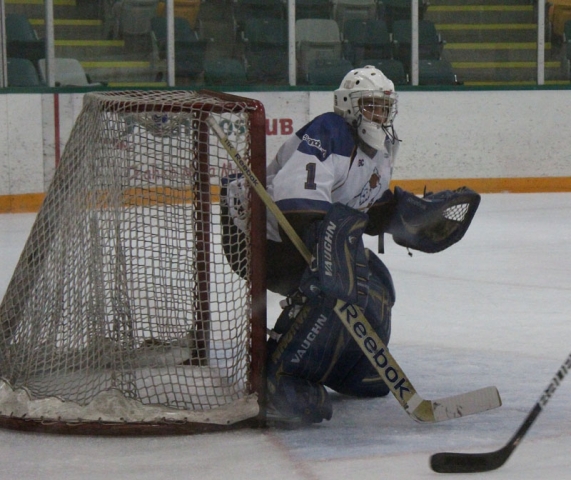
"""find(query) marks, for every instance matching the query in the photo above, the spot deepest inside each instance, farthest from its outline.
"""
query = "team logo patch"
(374, 181)
(369, 192)
(312, 142)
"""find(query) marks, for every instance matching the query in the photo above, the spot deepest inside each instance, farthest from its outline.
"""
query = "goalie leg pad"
(298, 356)
(353, 373)
(311, 344)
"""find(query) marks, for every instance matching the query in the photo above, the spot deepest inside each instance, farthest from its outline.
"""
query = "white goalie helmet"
(367, 99)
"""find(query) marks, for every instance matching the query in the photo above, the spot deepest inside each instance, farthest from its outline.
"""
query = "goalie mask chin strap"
(390, 132)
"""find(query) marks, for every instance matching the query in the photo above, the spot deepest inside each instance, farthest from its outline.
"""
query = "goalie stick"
(352, 317)
(448, 462)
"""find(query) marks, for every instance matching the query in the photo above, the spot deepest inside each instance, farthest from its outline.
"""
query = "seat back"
(328, 71)
(243, 10)
(560, 15)
(262, 8)
(32, 50)
(316, 38)
(224, 71)
(393, 69)
(394, 10)
(430, 44)
(189, 57)
(567, 31)
(265, 32)
(366, 39)
(567, 40)
(427, 34)
(22, 40)
(266, 44)
(68, 72)
(19, 28)
(182, 30)
(188, 9)
(436, 72)
(270, 66)
(136, 16)
(345, 10)
(22, 73)
(313, 9)
(190, 51)
(366, 32)
(317, 30)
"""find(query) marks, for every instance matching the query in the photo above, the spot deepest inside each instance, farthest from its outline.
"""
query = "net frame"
(196, 105)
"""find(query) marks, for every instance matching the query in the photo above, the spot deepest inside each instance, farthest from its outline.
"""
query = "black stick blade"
(447, 462)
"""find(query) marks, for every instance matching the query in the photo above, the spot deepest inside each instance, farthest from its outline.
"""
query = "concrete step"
(491, 32)
(127, 71)
(492, 41)
(504, 52)
(69, 28)
(506, 71)
(514, 83)
(90, 49)
(436, 3)
(62, 8)
(480, 14)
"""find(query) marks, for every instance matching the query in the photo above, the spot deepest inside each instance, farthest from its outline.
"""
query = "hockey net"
(123, 314)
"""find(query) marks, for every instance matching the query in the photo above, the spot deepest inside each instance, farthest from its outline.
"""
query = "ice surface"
(492, 310)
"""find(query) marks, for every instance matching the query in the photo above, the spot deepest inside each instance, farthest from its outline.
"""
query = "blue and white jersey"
(323, 164)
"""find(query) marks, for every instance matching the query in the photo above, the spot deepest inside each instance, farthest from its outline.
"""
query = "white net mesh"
(123, 290)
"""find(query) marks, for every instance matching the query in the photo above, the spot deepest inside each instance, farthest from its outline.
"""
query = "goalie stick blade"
(469, 403)
(465, 404)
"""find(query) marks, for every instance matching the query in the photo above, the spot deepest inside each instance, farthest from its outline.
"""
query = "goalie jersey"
(324, 163)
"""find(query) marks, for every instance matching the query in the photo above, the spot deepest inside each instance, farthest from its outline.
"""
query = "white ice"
(492, 310)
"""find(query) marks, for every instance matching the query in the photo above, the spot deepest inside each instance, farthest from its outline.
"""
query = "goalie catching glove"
(434, 222)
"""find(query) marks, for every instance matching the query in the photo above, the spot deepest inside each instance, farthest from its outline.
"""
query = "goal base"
(123, 429)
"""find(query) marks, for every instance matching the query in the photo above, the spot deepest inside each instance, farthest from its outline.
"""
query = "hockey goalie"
(331, 181)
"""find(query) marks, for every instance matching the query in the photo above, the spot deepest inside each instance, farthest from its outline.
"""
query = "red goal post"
(123, 315)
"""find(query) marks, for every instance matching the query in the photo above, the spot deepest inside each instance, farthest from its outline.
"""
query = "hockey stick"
(360, 329)
(447, 462)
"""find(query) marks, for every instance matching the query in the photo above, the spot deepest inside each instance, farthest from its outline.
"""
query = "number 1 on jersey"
(310, 183)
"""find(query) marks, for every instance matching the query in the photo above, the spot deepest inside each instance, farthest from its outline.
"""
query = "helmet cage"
(374, 106)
